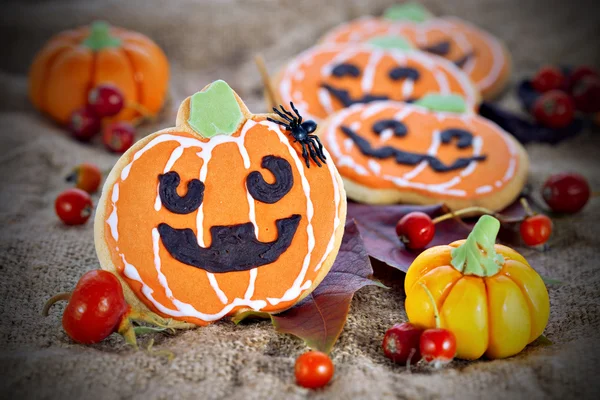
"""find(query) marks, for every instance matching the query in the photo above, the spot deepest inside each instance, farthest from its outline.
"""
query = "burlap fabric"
(206, 40)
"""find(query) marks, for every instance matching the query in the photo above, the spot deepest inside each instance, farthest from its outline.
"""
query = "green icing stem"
(443, 102)
(215, 111)
(100, 37)
(477, 255)
(407, 12)
(391, 42)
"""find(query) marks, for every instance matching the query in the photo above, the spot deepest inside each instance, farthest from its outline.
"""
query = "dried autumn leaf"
(320, 317)
(377, 226)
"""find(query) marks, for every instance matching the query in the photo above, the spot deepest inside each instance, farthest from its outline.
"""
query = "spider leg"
(316, 142)
(286, 126)
(313, 154)
(283, 115)
(297, 113)
(305, 155)
(287, 112)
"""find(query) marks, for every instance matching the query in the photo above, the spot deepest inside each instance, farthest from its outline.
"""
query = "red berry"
(415, 230)
(118, 136)
(438, 346)
(314, 370)
(536, 230)
(580, 73)
(105, 100)
(548, 78)
(554, 109)
(96, 308)
(84, 124)
(401, 343)
(86, 177)
(566, 192)
(73, 206)
(586, 94)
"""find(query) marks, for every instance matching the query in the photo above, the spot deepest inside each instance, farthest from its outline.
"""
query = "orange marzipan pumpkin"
(75, 61)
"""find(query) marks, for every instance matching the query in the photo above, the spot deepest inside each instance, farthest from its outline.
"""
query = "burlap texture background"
(206, 40)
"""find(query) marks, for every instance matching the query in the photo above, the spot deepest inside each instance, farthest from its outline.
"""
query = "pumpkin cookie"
(327, 78)
(482, 56)
(389, 152)
(220, 214)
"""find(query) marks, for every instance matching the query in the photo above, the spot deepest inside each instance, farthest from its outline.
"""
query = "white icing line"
(442, 81)
(432, 151)
(157, 201)
(372, 109)
(338, 59)
(348, 144)
(355, 126)
(251, 283)
(369, 72)
(215, 285)
(113, 219)
(374, 166)
(386, 134)
(483, 189)
(477, 146)
(325, 100)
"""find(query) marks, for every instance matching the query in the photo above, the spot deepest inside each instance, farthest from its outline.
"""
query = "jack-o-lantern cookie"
(390, 152)
(327, 78)
(221, 213)
(482, 56)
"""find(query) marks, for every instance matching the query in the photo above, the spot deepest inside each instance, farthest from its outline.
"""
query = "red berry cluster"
(563, 94)
(407, 343)
(74, 206)
(565, 193)
(103, 101)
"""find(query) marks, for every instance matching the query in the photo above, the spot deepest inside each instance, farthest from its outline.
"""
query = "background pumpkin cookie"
(478, 53)
(219, 214)
(327, 78)
(390, 152)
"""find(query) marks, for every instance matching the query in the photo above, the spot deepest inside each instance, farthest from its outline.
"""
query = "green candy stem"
(443, 102)
(390, 42)
(100, 37)
(407, 12)
(215, 111)
(477, 256)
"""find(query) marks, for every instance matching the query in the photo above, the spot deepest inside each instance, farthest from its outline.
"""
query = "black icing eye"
(464, 138)
(440, 48)
(398, 127)
(345, 69)
(171, 199)
(271, 192)
(398, 73)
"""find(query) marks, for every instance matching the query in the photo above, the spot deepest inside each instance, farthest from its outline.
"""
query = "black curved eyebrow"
(271, 192)
(345, 69)
(173, 201)
(398, 127)
(464, 137)
(398, 73)
(440, 48)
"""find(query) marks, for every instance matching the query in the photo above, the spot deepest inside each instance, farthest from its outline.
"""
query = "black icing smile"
(233, 247)
(344, 96)
(463, 138)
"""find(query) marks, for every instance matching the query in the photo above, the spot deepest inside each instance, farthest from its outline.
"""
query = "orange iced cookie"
(482, 56)
(389, 152)
(327, 78)
(221, 213)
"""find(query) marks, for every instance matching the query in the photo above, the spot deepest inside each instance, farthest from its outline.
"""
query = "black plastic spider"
(301, 132)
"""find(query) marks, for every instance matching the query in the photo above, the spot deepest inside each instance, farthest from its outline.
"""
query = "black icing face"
(353, 74)
(233, 247)
(460, 137)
